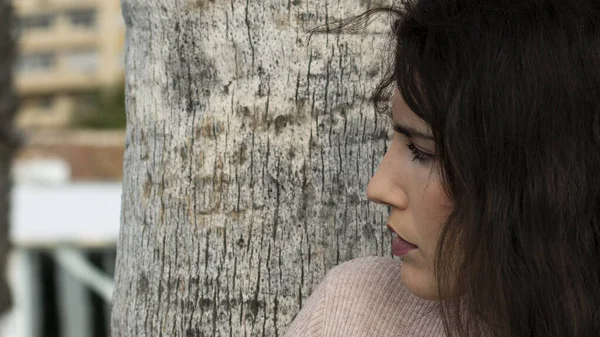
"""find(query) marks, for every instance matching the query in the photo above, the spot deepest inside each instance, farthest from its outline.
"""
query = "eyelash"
(418, 154)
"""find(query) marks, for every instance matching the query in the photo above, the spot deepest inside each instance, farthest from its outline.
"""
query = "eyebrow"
(410, 132)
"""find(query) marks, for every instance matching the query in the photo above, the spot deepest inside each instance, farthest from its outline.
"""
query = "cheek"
(434, 208)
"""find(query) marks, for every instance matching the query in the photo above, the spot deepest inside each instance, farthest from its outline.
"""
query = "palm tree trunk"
(247, 156)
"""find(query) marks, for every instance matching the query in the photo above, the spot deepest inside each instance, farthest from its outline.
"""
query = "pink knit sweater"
(364, 297)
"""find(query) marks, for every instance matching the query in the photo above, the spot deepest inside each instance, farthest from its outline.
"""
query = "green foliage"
(102, 109)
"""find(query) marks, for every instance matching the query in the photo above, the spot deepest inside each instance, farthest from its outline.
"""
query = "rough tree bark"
(247, 157)
(8, 141)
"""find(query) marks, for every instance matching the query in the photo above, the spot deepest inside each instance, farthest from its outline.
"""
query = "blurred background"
(68, 74)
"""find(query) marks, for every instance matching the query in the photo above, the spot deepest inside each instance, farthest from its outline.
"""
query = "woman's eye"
(418, 154)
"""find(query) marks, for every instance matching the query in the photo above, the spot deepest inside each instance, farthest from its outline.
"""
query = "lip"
(400, 236)
(400, 246)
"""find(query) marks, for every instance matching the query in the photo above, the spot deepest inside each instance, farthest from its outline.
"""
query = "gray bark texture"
(8, 142)
(248, 152)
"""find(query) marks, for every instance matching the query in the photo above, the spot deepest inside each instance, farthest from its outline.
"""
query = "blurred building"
(69, 50)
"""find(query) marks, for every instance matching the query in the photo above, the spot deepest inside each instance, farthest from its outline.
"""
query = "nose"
(387, 185)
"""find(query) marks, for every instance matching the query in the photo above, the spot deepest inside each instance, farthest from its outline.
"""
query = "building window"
(33, 22)
(84, 103)
(36, 62)
(83, 60)
(44, 102)
(85, 18)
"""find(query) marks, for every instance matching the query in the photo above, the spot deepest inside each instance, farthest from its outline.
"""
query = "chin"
(419, 281)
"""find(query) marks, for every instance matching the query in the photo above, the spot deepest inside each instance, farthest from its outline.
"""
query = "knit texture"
(365, 297)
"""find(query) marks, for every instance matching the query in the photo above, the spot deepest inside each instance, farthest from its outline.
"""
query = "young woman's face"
(408, 182)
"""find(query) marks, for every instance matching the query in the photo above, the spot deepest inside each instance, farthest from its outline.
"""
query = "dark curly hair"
(511, 90)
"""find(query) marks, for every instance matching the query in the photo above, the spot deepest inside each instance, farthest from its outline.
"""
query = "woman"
(492, 178)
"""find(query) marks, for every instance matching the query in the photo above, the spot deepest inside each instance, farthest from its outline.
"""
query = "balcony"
(58, 30)
(56, 81)
(29, 6)
(50, 72)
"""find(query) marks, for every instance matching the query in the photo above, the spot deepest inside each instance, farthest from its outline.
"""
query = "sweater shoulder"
(365, 296)
(367, 268)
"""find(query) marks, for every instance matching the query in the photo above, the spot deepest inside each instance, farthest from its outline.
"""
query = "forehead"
(402, 114)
